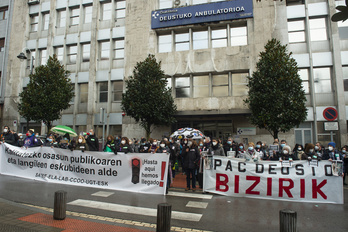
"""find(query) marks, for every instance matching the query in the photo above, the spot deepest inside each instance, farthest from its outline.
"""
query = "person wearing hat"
(331, 153)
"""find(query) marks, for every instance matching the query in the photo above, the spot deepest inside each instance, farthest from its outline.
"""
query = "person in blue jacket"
(31, 140)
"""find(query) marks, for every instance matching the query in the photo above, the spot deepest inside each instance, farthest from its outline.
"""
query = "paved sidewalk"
(16, 217)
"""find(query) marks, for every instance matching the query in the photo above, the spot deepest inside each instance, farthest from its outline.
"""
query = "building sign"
(330, 114)
(204, 13)
(246, 130)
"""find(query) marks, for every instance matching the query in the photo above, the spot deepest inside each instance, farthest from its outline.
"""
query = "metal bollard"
(287, 220)
(164, 214)
(59, 210)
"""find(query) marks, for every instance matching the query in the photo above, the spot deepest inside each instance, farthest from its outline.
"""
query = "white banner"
(134, 172)
(299, 181)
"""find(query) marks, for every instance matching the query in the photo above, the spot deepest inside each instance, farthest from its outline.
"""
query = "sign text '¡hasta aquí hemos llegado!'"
(202, 13)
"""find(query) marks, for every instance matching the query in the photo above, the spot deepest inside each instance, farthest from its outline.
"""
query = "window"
(103, 92)
(2, 44)
(322, 80)
(86, 52)
(219, 38)
(88, 14)
(194, 2)
(200, 39)
(163, 4)
(201, 86)
(182, 87)
(72, 54)
(104, 50)
(73, 98)
(318, 30)
(120, 9)
(117, 90)
(43, 56)
(34, 22)
(74, 16)
(83, 93)
(305, 80)
(239, 36)
(220, 85)
(119, 49)
(59, 51)
(165, 43)
(345, 78)
(3, 13)
(61, 18)
(343, 29)
(239, 84)
(45, 21)
(296, 31)
(182, 42)
(106, 11)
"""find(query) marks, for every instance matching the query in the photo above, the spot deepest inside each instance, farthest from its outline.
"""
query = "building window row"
(210, 37)
(163, 4)
(317, 28)
(321, 79)
(72, 51)
(210, 85)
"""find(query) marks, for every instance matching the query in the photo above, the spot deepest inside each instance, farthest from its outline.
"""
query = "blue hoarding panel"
(219, 11)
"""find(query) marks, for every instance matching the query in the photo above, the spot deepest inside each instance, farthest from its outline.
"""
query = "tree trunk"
(275, 134)
(147, 128)
(49, 126)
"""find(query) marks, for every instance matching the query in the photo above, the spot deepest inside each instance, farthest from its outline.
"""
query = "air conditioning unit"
(33, 2)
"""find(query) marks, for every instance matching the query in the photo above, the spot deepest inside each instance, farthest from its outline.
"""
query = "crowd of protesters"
(186, 153)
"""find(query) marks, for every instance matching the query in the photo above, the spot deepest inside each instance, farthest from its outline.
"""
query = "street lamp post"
(23, 57)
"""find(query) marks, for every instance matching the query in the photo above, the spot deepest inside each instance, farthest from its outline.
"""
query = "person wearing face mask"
(331, 153)
(216, 148)
(92, 141)
(298, 151)
(154, 146)
(144, 146)
(50, 142)
(81, 144)
(241, 151)
(318, 148)
(30, 140)
(286, 154)
(7, 136)
(191, 158)
(123, 147)
(230, 145)
(110, 144)
(259, 151)
(174, 149)
(131, 144)
(163, 147)
(309, 153)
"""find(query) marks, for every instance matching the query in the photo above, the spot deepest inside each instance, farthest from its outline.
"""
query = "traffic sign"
(330, 114)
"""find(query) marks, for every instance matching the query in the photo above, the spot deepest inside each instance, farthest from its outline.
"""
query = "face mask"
(282, 145)
(316, 148)
(229, 142)
(154, 143)
(214, 143)
(170, 140)
(162, 145)
(299, 148)
(201, 144)
(80, 140)
(285, 152)
(330, 148)
(343, 151)
(130, 142)
(311, 150)
(240, 147)
(250, 148)
(5, 130)
(50, 140)
(123, 142)
(258, 146)
(185, 141)
(189, 143)
(27, 134)
(36, 136)
(143, 144)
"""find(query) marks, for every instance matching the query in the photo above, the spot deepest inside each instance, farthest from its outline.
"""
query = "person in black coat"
(92, 141)
(191, 156)
(8, 136)
(123, 147)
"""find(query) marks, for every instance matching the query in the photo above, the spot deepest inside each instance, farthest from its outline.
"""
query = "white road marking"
(102, 194)
(134, 210)
(196, 204)
(191, 195)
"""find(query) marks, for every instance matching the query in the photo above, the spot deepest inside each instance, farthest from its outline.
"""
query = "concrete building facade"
(207, 49)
